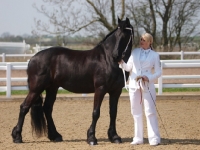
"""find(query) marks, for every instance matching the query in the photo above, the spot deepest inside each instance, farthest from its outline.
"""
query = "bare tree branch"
(101, 18)
(123, 9)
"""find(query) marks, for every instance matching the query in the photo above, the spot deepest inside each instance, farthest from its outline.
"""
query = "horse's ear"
(119, 20)
(127, 21)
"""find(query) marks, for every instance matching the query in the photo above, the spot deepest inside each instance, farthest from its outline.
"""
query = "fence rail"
(177, 64)
(14, 47)
(8, 67)
(181, 54)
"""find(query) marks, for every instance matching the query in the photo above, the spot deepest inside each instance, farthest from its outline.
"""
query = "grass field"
(25, 92)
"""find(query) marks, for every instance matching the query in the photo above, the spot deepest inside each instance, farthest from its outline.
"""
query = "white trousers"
(150, 113)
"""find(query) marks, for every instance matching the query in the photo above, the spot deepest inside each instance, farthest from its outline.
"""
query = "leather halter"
(124, 52)
(131, 37)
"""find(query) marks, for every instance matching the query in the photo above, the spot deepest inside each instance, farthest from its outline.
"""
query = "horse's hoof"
(92, 143)
(58, 139)
(16, 137)
(17, 141)
(117, 141)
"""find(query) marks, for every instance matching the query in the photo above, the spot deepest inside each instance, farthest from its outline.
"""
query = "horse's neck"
(110, 44)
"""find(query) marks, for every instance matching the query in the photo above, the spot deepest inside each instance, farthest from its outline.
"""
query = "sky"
(17, 16)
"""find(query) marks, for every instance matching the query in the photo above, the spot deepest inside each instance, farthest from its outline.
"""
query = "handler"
(142, 89)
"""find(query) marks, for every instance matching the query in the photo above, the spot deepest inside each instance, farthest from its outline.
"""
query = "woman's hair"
(148, 37)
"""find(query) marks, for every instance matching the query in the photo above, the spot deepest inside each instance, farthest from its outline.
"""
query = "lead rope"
(142, 89)
(126, 86)
(159, 115)
(131, 37)
(140, 93)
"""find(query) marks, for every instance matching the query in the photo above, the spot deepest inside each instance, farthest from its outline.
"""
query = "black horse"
(91, 71)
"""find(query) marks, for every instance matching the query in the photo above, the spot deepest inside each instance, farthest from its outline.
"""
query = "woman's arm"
(157, 69)
(127, 66)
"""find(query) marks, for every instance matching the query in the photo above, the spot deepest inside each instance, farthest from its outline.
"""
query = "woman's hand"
(145, 78)
(120, 62)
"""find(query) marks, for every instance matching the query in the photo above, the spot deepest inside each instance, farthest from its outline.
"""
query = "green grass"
(177, 90)
(180, 89)
(25, 92)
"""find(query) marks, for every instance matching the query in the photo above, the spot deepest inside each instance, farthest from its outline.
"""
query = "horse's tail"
(38, 121)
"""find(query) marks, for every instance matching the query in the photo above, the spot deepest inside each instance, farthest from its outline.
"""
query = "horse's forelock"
(123, 25)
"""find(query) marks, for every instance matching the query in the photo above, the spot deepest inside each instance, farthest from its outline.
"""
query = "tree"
(184, 22)
(70, 16)
(169, 21)
(144, 18)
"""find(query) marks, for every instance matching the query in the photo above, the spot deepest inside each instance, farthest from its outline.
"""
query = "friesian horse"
(90, 71)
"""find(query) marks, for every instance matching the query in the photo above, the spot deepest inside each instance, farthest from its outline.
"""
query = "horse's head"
(118, 43)
(124, 38)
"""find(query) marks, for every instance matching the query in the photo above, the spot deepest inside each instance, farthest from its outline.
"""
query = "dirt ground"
(179, 124)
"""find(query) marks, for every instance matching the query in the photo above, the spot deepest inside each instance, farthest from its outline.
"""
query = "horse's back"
(77, 55)
(73, 70)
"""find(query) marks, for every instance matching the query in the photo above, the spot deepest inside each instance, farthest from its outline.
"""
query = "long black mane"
(108, 35)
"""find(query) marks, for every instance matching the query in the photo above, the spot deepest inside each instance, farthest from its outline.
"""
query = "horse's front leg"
(113, 103)
(98, 98)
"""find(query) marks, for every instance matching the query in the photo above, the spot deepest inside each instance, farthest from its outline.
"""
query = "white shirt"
(143, 56)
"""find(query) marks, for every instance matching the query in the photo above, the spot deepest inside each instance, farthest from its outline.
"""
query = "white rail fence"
(9, 67)
(181, 54)
(178, 64)
(14, 47)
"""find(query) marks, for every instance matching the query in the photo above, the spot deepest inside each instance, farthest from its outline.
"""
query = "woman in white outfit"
(142, 90)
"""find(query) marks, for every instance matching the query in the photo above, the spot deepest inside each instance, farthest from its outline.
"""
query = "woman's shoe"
(136, 143)
(154, 143)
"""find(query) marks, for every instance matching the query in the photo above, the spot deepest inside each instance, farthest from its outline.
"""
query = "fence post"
(160, 84)
(182, 55)
(3, 57)
(8, 80)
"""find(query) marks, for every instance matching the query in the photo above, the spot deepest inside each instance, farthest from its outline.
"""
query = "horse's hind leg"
(24, 108)
(53, 135)
(113, 102)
